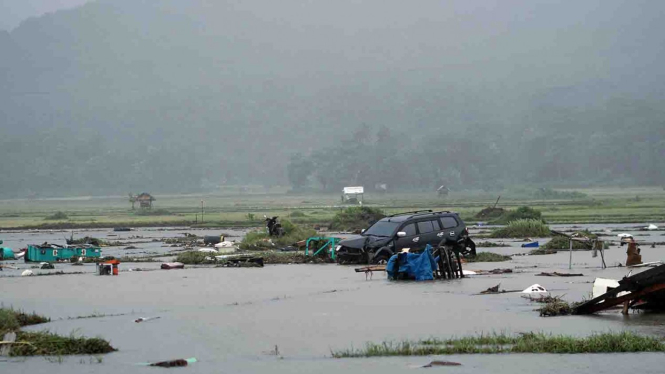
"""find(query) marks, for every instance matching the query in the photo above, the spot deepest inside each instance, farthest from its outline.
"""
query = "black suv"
(410, 230)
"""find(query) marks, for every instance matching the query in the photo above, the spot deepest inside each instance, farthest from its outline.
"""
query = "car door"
(429, 231)
(410, 240)
(450, 230)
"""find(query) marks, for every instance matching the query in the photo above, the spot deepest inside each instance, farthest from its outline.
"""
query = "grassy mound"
(488, 257)
(490, 213)
(49, 344)
(259, 240)
(43, 342)
(502, 343)
(523, 228)
(523, 212)
(356, 218)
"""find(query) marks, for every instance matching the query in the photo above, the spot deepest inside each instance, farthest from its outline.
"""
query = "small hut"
(144, 199)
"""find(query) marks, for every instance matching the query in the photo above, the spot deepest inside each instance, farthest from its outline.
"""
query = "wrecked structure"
(645, 290)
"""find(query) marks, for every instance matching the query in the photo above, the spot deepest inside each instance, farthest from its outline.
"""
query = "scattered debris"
(208, 250)
(173, 265)
(652, 227)
(46, 265)
(645, 290)
(648, 264)
(555, 274)
(441, 363)
(368, 270)
(131, 247)
(174, 363)
(27, 273)
(542, 298)
(495, 290)
(633, 252)
(531, 245)
(145, 319)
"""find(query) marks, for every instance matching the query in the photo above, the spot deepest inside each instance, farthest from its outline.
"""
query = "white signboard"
(354, 190)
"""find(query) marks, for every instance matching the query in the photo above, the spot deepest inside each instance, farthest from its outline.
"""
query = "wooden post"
(9, 338)
(570, 260)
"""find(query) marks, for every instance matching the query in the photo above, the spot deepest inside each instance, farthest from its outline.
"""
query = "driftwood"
(441, 363)
(555, 274)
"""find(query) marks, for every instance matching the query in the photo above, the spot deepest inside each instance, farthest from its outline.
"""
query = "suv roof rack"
(413, 212)
(430, 212)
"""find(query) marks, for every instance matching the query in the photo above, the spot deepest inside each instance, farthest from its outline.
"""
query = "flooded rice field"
(287, 318)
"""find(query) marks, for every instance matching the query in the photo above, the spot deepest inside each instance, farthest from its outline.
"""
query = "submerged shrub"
(356, 218)
(523, 228)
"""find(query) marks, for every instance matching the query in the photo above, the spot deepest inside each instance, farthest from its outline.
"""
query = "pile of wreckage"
(643, 291)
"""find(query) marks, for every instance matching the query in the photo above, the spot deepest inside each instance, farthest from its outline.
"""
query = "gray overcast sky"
(12, 12)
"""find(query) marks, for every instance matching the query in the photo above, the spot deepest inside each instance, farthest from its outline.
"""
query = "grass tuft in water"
(488, 257)
(503, 343)
(44, 343)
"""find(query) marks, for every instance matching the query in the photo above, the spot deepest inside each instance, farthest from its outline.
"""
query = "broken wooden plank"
(9, 338)
(555, 274)
(587, 308)
(370, 268)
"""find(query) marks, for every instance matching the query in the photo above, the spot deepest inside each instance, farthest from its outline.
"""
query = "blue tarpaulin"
(418, 266)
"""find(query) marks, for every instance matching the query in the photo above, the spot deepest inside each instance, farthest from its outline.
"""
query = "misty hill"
(118, 95)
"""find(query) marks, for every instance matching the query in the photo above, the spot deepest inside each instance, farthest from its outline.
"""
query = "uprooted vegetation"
(557, 307)
(260, 241)
(523, 228)
(356, 218)
(43, 342)
(523, 212)
(503, 343)
(488, 257)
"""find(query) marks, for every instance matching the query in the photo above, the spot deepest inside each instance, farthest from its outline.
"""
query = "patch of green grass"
(523, 212)
(523, 228)
(57, 216)
(152, 212)
(488, 257)
(491, 244)
(12, 320)
(502, 343)
(44, 343)
(259, 240)
(297, 214)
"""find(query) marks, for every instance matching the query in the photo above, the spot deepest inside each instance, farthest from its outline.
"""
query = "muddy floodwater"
(232, 319)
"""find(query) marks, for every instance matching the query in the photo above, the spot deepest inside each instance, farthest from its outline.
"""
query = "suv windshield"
(382, 228)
